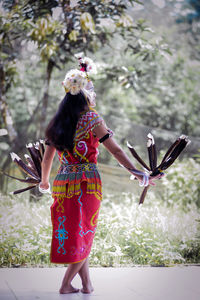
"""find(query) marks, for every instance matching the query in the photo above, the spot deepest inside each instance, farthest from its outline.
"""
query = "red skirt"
(74, 222)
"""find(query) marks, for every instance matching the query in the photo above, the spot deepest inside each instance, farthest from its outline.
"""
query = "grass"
(154, 234)
(162, 231)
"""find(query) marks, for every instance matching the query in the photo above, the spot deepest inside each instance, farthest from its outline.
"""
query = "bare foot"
(87, 289)
(68, 289)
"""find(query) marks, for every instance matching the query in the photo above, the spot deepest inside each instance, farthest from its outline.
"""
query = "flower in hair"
(74, 81)
(90, 65)
(86, 64)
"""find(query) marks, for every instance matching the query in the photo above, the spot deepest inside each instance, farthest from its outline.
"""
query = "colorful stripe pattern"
(87, 122)
(69, 178)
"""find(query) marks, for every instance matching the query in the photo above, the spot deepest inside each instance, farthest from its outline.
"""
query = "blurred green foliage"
(143, 77)
(39, 37)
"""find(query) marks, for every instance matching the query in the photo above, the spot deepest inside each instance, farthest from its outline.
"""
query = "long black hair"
(61, 129)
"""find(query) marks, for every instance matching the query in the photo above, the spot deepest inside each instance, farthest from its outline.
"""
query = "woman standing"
(75, 133)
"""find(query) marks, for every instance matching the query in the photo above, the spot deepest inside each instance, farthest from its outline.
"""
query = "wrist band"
(145, 181)
(141, 183)
(45, 191)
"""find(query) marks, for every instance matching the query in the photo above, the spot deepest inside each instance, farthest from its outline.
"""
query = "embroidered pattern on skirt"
(62, 234)
(81, 233)
(74, 226)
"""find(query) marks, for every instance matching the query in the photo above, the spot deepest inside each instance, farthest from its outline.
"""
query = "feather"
(134, 153)
(37, 149)
(22, 165)
(41, 146)
(35, 157)
(150, 142)
(171, 148)
(171, 155)
(31, 165)
(157, 171)
(153, 158)
(23, 190)
(174, 154)
(32, 168)
(142, 197)
(27, 180)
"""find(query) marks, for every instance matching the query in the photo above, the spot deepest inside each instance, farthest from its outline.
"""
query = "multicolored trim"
(87, 122)
(69, 178)
(77, 168)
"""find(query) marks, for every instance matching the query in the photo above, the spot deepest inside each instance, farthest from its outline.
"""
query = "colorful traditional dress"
(77, 195)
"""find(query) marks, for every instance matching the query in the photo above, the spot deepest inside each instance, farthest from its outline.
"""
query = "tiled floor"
(138, 283)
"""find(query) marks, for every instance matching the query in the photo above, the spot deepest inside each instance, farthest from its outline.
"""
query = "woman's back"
(79, 165)
(85, 143)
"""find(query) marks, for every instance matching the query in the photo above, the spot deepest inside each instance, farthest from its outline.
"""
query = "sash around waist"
(65, 168)
(69, 177)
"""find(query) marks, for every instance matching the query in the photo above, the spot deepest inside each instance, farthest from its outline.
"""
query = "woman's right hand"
(152, 178)
(146, 179)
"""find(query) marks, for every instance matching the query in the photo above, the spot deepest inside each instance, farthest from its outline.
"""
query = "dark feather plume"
(31, 165)
(23, 190)
(171, 155)
(32, 169)
(22, 165)
(139, 159)
(41, 147)
(35, 157)
(143, 195)
(183, 142)
(27, 180)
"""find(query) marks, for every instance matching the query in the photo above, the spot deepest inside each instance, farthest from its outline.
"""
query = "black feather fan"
(33, 166)
(171, 155)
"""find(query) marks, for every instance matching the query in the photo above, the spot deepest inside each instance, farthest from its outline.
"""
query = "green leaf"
(87, 22)
(73, 35)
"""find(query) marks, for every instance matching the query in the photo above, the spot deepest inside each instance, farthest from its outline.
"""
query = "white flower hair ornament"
(86, 65)
(74, 82)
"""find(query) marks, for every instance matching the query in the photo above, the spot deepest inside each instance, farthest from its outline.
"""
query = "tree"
(77, 28)
(80, 26)
(9, 52)
(189, 16)
(12, 33)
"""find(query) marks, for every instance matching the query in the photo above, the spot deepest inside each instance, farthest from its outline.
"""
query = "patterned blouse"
(80, 164)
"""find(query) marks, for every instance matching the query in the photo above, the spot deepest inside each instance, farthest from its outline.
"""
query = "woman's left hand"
(152, 178)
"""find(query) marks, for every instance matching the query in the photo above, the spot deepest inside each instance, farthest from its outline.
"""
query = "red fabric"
(84, 151)
(77, 195)
(74, 222)
(85, 143)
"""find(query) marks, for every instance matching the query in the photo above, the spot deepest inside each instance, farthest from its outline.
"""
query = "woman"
(75, 132)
